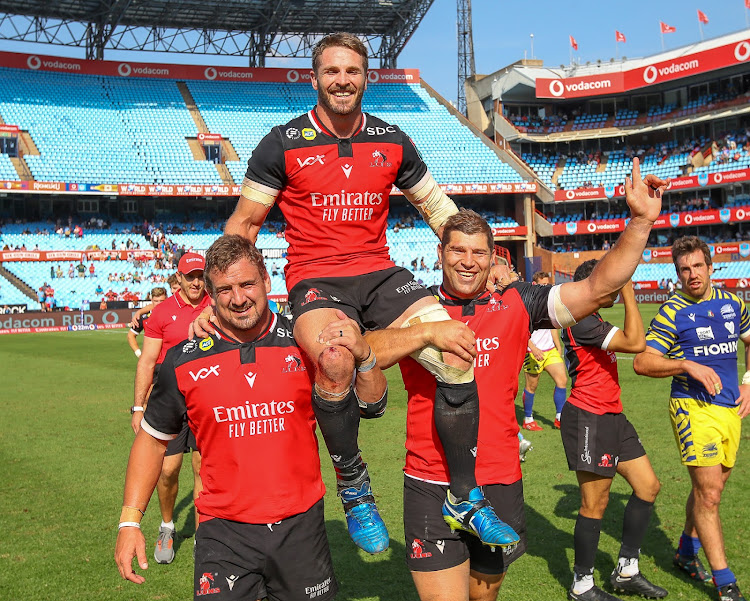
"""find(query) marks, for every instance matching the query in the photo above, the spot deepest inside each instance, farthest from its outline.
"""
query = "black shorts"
(289, 560)
(374, 300)
(430, 544)
(597, 443)
(184, 442)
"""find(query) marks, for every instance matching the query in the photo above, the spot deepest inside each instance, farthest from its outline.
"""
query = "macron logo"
(250, 377)
(347, 170)
(174, 318)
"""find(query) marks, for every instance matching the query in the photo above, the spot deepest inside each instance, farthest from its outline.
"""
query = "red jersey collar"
(318, 125)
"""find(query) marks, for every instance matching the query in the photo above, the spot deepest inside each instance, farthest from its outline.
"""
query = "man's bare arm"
(393, 344)
(616, 267)
(144, 467)
(632, 337)
(654, 364)
(252, 208)
(144, 376)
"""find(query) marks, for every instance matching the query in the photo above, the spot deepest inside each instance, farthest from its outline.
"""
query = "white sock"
(169, 524)
(557, 416)
(627, 566)
(583, 583)
(528, 420)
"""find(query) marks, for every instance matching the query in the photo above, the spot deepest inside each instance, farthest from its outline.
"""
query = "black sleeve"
(166, 410)
(141, 323)
(535, 299)
(591, 331)
(267, 165)
(412, 168)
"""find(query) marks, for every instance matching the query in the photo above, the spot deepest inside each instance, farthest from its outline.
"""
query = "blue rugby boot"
(476, 516)
(363, 521)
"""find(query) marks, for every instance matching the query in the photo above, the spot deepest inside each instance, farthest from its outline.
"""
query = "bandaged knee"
(431, 357)
(431, 202)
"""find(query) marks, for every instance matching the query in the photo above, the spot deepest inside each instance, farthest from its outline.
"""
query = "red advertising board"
(680, 183)
(39, 62)
(672, 220)
(648, 74)
(78, 255)
(519, 230)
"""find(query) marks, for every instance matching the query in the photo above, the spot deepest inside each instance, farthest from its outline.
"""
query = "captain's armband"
(259, 193)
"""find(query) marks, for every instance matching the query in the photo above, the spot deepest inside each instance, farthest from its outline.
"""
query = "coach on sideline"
(246, 392)
(693, 339)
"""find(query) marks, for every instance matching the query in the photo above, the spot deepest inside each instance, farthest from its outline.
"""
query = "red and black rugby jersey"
(502, 324)
(592, 368)
(334, 192)
(249, 407)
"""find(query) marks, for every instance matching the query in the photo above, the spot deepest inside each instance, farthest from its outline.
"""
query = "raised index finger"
(636, 170)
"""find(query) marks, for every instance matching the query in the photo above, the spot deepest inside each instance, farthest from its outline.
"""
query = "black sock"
(585, 544)
(456, 417)
(339, 425)
(634, 525)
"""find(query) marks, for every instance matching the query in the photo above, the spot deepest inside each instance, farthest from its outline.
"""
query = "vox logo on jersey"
(318, 158)
(204, 372)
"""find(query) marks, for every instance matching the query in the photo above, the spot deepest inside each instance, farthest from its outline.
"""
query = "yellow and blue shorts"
(706, 434)
(534, 367)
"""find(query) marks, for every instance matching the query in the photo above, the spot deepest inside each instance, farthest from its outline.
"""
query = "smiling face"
(695, 274)
(192, 286)
(340, 79)
(467, 260)
(240, 298)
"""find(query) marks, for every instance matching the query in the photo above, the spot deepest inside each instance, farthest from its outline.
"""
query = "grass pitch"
(66, 436)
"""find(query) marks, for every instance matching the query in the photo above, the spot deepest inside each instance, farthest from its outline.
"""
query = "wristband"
(128, 525)
(746, 378)
(137, 352)
(368, 364)
(135, 408)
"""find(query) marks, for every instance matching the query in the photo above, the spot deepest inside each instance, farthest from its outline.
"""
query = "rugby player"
(600, 442)
(166, 327)
(448, 565)
(174, 286)
(544, 354)
(331, 171)
(246, 393)
(158, 295)
(694, 339)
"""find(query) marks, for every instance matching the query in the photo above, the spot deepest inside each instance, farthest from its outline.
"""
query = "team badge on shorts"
(313, 294)
(417, 550)
(606, 461)
(710, 450)
(206, 585)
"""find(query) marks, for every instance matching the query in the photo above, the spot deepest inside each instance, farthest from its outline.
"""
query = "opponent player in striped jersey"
(694, 340)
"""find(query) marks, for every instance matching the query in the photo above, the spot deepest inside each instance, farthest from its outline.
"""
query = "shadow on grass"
(362, 576)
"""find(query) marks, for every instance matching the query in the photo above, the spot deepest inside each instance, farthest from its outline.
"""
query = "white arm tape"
(746, 378)
(258, 193)
(431, 202)
(558, 312)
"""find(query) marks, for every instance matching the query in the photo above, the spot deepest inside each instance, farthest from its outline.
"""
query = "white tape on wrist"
(746, 378)
(137, 352)
(128, 525)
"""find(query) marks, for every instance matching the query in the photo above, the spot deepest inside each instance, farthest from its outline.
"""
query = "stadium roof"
(253, 28)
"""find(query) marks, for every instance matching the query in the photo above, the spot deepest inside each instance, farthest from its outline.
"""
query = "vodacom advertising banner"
(39, 62)
(646, 75)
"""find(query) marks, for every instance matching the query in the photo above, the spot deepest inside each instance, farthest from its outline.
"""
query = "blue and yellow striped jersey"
(704, 331)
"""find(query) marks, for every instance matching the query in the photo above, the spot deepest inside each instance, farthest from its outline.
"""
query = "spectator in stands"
(52, 272)
(99, 289)
(81, 269)
(41, 296)
(59, 271)
(92, 271)
(71, 271)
